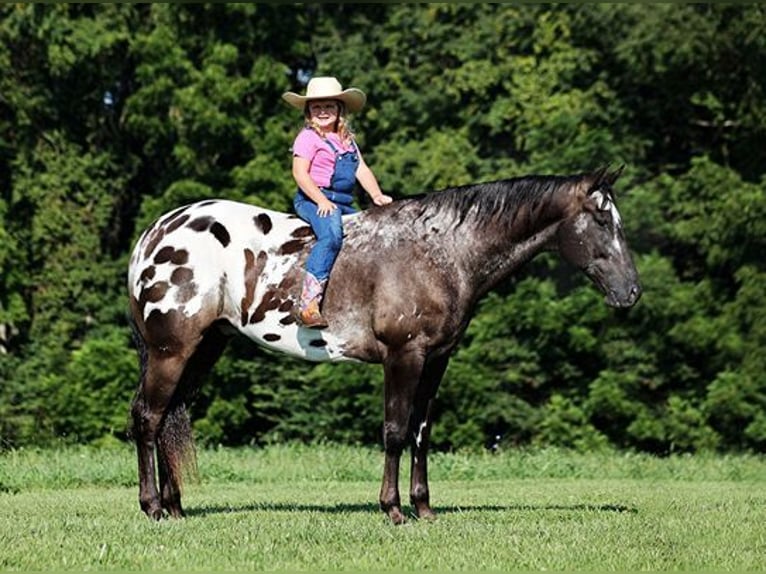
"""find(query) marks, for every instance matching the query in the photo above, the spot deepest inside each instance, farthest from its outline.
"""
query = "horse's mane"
(490, 200)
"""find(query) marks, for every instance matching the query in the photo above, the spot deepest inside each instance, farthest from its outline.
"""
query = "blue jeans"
(329, 232)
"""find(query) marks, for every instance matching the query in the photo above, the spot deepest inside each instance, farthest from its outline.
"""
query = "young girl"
(326, 165)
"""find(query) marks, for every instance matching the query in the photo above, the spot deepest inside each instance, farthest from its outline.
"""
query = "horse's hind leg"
(175, 448)
(154, 395)
(421, 428)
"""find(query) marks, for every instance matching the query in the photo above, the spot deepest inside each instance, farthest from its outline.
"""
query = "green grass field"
(315, 508)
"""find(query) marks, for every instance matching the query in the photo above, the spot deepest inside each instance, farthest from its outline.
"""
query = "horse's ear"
(598, 177)
(612, 177)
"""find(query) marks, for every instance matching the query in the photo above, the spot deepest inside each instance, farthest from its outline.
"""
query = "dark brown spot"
(286, 305)
(176, 223)
(253, 269)
(201, 223)
(205, 223)
(169, 253)
(154, 293)
(250, 279)
(180, 257)
(221, 233)
(221, 292)
(181, 275)
(303, 232)
(147, 274)
(154, 240)
(263, 223)
(185, 292)
(289, 320)
(208, 202)
(318, 343)
(271, 337)
(290, 247)
(164, 255)
(269, 302)
(288, 282)
(147, 234)
(173, 215)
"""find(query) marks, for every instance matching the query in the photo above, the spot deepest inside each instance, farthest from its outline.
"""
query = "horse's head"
(592, 238)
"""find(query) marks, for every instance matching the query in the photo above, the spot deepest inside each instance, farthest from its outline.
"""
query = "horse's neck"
(500, 246)
(499, 262)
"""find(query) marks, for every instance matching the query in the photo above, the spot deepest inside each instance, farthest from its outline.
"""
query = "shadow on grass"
(370, 507)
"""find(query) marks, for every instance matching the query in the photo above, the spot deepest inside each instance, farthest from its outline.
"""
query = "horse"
(401, 293)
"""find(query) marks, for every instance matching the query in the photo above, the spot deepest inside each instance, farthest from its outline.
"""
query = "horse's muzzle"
(624, 298)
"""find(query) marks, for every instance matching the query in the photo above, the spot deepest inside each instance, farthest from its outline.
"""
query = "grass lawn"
(315, 508)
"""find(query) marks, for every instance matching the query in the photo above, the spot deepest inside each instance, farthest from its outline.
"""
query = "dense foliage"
(112, 113)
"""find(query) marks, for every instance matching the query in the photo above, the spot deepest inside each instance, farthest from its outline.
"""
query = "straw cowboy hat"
(327, 88)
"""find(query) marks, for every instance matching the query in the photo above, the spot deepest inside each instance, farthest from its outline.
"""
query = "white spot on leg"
(419, 436)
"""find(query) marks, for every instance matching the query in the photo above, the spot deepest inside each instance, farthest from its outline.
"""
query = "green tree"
(111, 114)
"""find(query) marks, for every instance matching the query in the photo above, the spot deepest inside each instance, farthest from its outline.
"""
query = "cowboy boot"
(311, 297)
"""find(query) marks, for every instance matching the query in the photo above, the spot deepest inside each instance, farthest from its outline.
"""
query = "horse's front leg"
(402, 374)
(421, 428)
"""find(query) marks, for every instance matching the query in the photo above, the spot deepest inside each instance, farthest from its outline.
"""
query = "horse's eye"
(602, 217)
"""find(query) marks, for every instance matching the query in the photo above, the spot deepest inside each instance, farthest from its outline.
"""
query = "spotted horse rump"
(401, 293)
(233, 263)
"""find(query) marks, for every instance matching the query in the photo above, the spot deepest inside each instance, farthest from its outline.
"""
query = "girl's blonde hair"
(342, 127)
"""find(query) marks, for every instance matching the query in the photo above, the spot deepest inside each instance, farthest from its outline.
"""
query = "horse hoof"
(396, 516)
(152, 510)
(175, 512)
(426, 514)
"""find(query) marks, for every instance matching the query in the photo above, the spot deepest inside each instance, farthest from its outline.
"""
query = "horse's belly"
(308, 344)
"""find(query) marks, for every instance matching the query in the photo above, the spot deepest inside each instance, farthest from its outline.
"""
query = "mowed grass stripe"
(307, 520)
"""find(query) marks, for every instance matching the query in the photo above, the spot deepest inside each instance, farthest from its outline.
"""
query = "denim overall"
(329, 229)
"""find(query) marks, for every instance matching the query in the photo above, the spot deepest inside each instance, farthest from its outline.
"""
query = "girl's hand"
(382, 199)
(325, 208)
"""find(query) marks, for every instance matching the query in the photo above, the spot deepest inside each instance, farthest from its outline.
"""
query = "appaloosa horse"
(401, 293)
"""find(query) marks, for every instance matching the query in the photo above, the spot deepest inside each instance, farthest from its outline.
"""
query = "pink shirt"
(309, 145)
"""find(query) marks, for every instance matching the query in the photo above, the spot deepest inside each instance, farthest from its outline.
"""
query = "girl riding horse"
(326, 165)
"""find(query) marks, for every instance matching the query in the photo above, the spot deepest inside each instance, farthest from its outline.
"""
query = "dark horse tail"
(175, 442)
